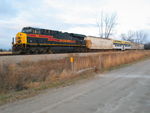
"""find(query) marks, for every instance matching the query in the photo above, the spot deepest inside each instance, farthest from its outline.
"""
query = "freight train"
(37, 41)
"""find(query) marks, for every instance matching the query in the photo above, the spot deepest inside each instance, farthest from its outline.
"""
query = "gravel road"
(124, 90)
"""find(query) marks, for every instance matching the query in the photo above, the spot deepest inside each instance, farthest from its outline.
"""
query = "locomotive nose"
(20, 38)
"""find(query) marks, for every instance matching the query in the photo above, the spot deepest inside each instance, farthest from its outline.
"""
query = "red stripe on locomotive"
(51, 38)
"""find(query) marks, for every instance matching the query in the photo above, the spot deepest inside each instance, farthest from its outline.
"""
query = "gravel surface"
(124, 90)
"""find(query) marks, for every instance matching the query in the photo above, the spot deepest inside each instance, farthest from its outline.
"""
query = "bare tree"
(100, 24)
(129, 36)
(106, 24)
(135, 36)
(140, 37)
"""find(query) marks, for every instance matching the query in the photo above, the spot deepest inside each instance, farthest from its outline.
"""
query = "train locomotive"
(37, 41)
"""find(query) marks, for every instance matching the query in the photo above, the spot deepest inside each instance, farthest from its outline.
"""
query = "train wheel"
(44, 51)
(36, 51)
(49, 51)
(29, 51)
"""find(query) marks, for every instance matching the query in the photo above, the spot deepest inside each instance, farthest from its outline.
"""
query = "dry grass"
(50, 73)
(19, 76)
(1, 53)
(108, 60)
(25, 75)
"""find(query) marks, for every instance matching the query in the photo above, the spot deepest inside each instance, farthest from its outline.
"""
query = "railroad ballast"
(35, 40)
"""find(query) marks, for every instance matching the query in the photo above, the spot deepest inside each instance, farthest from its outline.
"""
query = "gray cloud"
(7, 9)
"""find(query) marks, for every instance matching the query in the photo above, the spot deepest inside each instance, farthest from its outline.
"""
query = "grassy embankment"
(26, 79)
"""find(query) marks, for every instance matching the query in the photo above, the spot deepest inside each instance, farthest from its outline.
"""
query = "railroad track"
(27, 54)
(18, 54)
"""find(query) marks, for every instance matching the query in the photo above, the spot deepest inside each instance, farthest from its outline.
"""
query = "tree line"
(4, 50)
(107, 23)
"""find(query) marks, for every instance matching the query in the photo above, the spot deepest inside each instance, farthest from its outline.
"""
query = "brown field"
(28, 74)
(1, 53)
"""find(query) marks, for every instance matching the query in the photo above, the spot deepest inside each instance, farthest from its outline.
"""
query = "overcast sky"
(78, 16)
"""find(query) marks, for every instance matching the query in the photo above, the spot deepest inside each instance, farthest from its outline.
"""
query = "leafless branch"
(137, 36)
(106, 24)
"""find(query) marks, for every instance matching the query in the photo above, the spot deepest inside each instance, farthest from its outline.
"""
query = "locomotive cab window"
(36, 31)
(27, 30)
